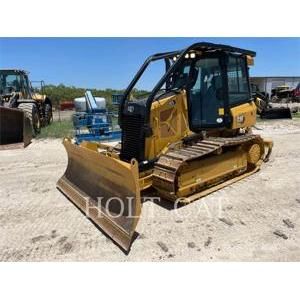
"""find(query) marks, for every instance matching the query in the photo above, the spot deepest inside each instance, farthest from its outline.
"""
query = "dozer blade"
(276, 113)
(15, 128)
(104, 188)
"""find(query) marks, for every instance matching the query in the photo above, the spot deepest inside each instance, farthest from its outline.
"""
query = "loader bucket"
(276, 113)
(15, 128)
(104, 188)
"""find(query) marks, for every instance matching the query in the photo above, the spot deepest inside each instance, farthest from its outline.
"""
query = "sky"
(112, 62)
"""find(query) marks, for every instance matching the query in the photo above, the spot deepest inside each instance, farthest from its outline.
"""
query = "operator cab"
(212, 82)
(215, 80)
(13, 82)
(214, 77)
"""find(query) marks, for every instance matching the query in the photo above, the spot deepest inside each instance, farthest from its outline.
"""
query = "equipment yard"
(255, 219)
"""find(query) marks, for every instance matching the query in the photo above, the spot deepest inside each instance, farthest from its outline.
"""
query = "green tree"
(60, 93)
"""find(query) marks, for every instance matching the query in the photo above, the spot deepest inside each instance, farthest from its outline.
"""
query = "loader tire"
(31, 112)
(48, 114)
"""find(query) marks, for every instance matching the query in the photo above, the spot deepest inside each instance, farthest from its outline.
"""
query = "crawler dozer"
(23, 111)
(265, 109)
(188, 137)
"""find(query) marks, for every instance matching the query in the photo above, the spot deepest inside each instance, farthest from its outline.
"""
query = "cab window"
(238, 88)
(10, 83)
(206, 94)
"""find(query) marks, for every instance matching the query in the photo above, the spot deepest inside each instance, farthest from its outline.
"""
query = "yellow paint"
(243, 115)
(145, 180)
(89, 145)
(38, 97)
(259, 104)
(205, 171)
(250, 60)
(169, 123)
(91, 175)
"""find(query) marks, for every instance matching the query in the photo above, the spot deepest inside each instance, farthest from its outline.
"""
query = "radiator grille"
(132, 138)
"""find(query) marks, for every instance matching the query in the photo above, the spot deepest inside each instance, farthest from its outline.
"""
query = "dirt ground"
(237, 223)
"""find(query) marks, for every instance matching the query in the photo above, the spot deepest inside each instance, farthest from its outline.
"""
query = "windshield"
(237, 75)
(9, 82)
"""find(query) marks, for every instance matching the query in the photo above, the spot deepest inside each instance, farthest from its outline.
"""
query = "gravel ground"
(256, 219)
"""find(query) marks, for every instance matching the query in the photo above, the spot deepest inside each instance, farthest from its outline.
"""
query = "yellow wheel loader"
(23, 111)
(188, 137)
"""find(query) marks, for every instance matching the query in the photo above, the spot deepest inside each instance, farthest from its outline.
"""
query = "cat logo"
(240, 119)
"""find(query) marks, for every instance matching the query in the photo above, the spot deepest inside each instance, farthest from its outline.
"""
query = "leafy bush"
(60, 93)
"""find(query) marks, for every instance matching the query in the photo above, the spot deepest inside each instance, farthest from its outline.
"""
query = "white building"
(266, 84)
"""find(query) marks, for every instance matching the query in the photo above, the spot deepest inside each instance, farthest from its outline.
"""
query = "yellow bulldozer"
(188, 137)
(23, 110)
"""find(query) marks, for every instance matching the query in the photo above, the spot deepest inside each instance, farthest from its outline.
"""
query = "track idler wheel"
(254, 154)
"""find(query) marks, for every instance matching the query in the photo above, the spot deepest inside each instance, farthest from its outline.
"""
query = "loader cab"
(14, 81)
(10, 82)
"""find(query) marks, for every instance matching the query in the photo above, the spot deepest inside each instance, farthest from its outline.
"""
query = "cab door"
(206, 106)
